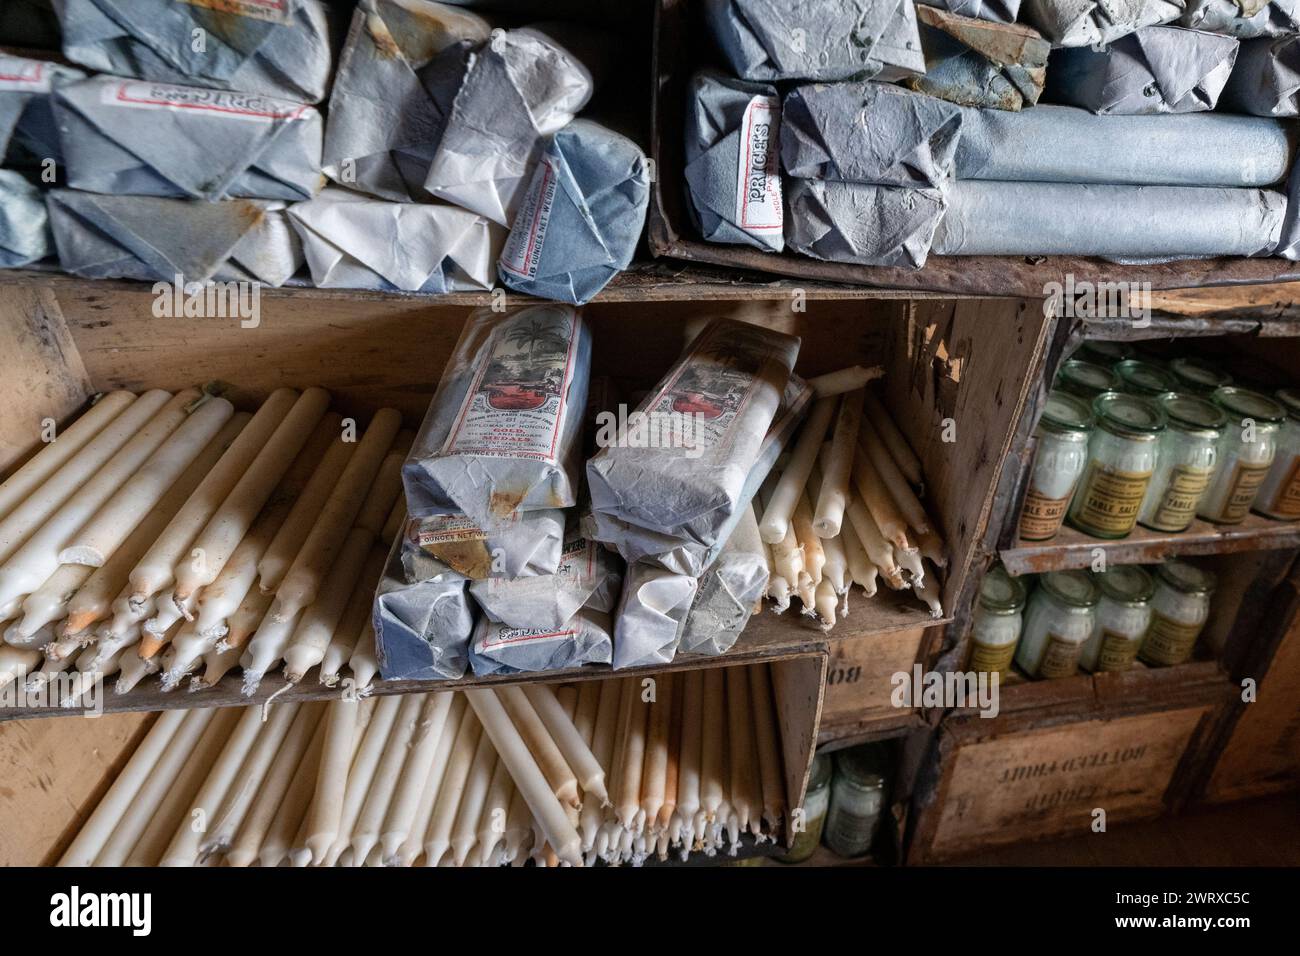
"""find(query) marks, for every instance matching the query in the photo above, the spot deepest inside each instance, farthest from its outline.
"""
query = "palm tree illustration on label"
(716, 387)
(527, 368)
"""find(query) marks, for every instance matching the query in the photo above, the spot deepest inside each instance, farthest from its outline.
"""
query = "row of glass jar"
(1098, 621)
(846, 795)
(1162, 460)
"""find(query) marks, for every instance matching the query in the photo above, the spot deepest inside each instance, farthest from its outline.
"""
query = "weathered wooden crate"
(859, 699)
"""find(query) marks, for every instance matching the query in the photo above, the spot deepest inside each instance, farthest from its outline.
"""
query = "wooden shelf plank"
(1074, 549)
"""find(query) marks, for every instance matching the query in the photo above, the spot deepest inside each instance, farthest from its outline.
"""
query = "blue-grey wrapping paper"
(586, 638)
(156, 239)
(995, 11)
(528, 545)
(398, 75)
(651, 615)
(728, 592)
(1243, 19)
(1095, 22)
(862, 224)
(422, 623)
(142, 138)
(768, 40)
(28, 132)
(24, 226)
(975, 62)
(277, 48)
(1266, 79)
(1153, 70)
(868, 133)
(579, 223)
(733, 179)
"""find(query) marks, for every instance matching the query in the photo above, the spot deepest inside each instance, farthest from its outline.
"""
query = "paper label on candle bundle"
(1181, 497)
(28, 76)
(1246, 480)
(444, 529)
(221, 104)
(1118, 652)
(1061, 658)
(1041, 517)
(1111, 500)
(273, 11)
(1286, 503)
(503, 636)
(991, 658)
(524, 247)
(518, 402)
(1167, 641)
(758, 179)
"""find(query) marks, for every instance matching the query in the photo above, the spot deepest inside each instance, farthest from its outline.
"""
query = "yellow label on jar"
(1286, 503)
(1181, 497)
(1041, 517)
(1111, 500)
(1061, 658)
(991, 658)
(1246, 480)
(1118, 652)
(1168, 642)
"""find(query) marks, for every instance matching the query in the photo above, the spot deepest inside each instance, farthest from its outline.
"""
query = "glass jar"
(1058, 622)
(815, 802)
(1197, 376)
(1121, 459)
(1121, 619)
(1246, 451)
(1179, 609)
(1189, 450)
(1062, 454)
(857, 800)
(1104, 353)
(995, 625)
(1085, 379)
(1279, 495)
(1143, 378)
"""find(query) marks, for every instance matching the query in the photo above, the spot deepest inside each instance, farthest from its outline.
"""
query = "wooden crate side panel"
(859, 676)
(797, 685)
(1047, 782)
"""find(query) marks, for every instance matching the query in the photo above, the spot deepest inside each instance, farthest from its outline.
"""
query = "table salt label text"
(758, 180)
(1060, 658)
(1111, 500)
(1118, 651)
(1286, 503)
(1041, 516)
(1246, 480)
(992, 658)
(1168, 641)
(1181, 497)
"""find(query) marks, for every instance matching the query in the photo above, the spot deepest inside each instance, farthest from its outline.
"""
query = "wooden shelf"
(1074, 549)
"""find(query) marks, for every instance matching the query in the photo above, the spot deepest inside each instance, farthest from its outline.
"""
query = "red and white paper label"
(28, 76)
(274, 11)
(758, 179)
(524, 247)
(143, 95)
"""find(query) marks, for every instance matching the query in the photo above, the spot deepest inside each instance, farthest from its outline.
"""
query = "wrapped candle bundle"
(817, 39)
(212, 144)
(585, 638)
(422, 625)
(1064, 144)
(1153, 70)
(26, 117)
(25, 235)
(354, 242)
(522, 86)
(996, 11)
(651, 614)
(868, 133)
(1096, 22)
(588, 195)
(527, 544)
(278, 49)
(863, 224)
(588, 576)
(398, 74)
(712, 412)
(151, 238)
(727, 592)
(1117, 222)
(505, 425)
(1243, 20)
(732, 169)
(1266, 79)
(977, 63)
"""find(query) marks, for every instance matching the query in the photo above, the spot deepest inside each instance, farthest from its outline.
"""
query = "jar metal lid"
(1198, 375)
(1063, 412)
(1189, 413)
(1085, 378)
(1184, 577)
(1105, 353)
(821, 772)
(1128, 414)
(1290, 399)
(1000, 592)
(1248, 404)
(1144, 378)
(1075, 588)
(862, 766)
(1126, 584)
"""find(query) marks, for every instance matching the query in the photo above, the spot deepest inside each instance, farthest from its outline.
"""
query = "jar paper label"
(1061, 658)
(758, 180)
(1040, 518)
(1245, 483)
(991, 658)
(1168, 641)
(1286, 503)
(1181, 498)
(1111, 500)
(1118, 652)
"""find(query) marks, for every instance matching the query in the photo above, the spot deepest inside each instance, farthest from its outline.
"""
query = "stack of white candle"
(614, 770)
(166, 532)
(842, 508)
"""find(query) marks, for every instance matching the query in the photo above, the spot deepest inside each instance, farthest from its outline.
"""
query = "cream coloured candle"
(464, 831)
(844, 380)
(49, 602)
(167, 614)
(519, 828)
(282, 835)
(437, 838)
(243, 624)
(890, 521)
(577, 754)
(386, 487)
(768, 745)
(492, 821)
(688, 774)
(364, 662)
(895, 481)
(549, 757)
(393, 524)
(586, 709)
(413, 845)
(932, 547)
(745, 790)
(629, 754)
(668, 812)
(404, 803)
(780, 505)
(184, 652)
(826, 604)
(899, 449)
(928, 591)
(17, 662)
(365, 834)
(217, 663)
(326, 810)
(712, 757)
(355, 616)
(369, 750)
(654, 768)
(134, 669)
(252, 773)
(879, 551)
(266, 648)
(317, 624)
(814, 556)
(834, 492)
(610, 696)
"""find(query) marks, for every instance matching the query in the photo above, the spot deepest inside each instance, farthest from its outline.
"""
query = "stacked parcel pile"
(888, 157)
(616, 771)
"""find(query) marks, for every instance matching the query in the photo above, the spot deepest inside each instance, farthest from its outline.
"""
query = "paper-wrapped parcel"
(586, 638)
(977, 63)
(651, 615)
(1266, 80)
(679, 470)
(995, 11)
(733, 177)
(728, 592)
(863, 224)
(1243, 19)
(276, 48)
(1065, 144)
(24, 225)
(580, 220)
(521, 86)
(354, 242)
(423, 616)
(26, 115)
(399, 71)
(1153, 70)
(157, 239)
(527, 544)
(504, 429)
(817, 39)
(144, 138)
(1117, 222)
(1096, 22)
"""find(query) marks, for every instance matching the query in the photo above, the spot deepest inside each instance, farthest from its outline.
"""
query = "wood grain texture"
(859, 682)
